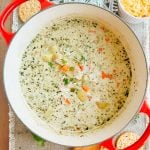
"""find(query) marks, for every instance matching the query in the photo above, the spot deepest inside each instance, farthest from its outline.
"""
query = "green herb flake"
(72, 90)
(39, 140)
(71, 79)
(88, 46)
(66, 81)
(63, 61)
(50, 64)
(83, 58)
(71, 68)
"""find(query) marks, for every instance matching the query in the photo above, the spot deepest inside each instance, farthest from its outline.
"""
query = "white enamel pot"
(22, 38)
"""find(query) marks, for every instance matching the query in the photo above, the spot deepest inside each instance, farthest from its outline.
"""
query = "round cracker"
(126, 139)
(28, 9)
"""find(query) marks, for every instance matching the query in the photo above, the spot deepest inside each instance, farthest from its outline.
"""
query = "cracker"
(126, 139)
(28, 9)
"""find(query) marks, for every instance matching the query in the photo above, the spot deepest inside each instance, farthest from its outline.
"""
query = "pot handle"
(145, 109)
(8, 10)
(110, 143)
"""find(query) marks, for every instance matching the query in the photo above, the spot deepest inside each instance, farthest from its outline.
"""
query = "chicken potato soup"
(76, 75)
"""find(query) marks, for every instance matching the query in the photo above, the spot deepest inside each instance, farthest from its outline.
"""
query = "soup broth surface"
(76, 75)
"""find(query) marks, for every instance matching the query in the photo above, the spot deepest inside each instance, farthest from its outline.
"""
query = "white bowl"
(126, 16)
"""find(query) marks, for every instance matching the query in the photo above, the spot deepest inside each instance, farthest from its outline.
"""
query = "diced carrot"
(103, 75)
(107, 39)
(64, 68)
(100, 49)
(67, 101)
(85, 88)
(106, 75)
(81, 67)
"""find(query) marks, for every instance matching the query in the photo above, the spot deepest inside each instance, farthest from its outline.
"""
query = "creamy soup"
(76, 75)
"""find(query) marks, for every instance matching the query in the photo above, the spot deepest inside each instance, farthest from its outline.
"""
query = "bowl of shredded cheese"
(134, 11)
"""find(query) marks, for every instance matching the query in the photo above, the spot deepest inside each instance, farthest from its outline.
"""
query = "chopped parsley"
(72, 79)
(83, 58)
(71, 68)
(38, 139)
(50, 64)
(63, 61)
(72, 90)
(66, 81)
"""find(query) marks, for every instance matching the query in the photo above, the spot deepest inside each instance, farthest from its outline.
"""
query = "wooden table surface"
(3, 100)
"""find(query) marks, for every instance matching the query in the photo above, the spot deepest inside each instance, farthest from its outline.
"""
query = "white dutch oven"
(29, 30)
